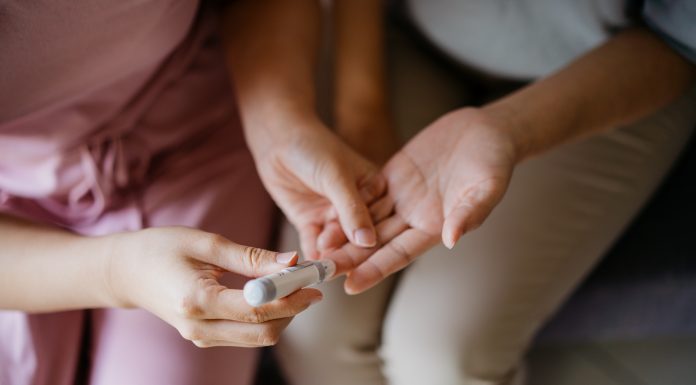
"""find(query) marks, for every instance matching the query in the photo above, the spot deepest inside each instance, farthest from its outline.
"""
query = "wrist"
(512, 124)
(278, 126)
(115, 263)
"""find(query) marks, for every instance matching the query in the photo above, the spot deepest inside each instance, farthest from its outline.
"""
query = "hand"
(173, 273)
(371, 134)
(315, 179)
(444, 182)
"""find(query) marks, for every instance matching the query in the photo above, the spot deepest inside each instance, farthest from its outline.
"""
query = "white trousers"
(468, 315)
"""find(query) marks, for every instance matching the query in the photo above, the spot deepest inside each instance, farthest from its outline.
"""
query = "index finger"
(390, 258)
(350, 256)
(332, 235)
(229, 304)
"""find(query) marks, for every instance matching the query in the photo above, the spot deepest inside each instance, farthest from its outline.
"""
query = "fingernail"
(315, 300)
(452, 240)
(350, 290)
(365, 237)
(286, 257)
(351, 287)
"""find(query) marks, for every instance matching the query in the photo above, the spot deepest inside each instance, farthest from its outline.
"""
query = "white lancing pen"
(287, 281)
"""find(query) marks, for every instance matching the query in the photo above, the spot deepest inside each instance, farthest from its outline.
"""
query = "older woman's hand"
(443, 183)
(316, 179)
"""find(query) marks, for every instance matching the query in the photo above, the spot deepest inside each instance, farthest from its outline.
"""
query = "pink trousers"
(120, 117)
(213, 186)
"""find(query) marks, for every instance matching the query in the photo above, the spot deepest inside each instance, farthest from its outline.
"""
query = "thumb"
(245, 260)
(469, 213)
(457, 222)
(353, 214)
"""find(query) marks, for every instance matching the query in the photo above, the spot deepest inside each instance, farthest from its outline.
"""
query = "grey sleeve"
(675, 22)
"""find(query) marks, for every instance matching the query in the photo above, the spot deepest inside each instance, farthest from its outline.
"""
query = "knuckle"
(268, 336)
(189, 307)
(200, 242)
(215, 243)
(256, 315)
(191, 332)
(202, 344)
(322, 173)
(209, 243)
(208, 295)
(252, 257)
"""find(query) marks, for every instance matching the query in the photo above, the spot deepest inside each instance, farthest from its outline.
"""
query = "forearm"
(46, 269)
(271, 48)
(361, 109)
(629, 77)
(360, 70)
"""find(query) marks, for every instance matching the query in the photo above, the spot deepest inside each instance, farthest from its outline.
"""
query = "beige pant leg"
(467, 316)
(335, 341)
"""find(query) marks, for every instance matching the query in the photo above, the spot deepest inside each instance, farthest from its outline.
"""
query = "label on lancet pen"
(287, 281)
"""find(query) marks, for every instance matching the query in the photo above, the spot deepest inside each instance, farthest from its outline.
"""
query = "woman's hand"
(450, 177)
(312, 175)
(174, 273)
(371, 134)
(443, 183)
(316, 179)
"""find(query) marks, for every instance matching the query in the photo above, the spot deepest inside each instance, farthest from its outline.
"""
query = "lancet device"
(287, 281)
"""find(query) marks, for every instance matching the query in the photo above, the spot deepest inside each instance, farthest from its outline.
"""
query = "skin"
(313, 176)
(172, 272)
(361, 101)
(442, 184)
(360, 98)
(447, 180)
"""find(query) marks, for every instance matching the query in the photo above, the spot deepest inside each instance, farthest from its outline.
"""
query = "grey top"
(675, 21)
(526, 39)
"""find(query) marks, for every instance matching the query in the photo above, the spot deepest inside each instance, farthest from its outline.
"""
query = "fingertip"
(313, 295)
(449, 240)
(316, 298)
(353, 216)
(351, 287)
(451, 232)
(365, 237)
(288, 258)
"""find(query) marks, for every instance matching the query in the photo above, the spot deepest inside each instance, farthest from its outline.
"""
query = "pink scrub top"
(100, 98)
(118, 115)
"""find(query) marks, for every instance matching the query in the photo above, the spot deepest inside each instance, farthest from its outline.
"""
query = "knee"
(416, 353)
(336, 340)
